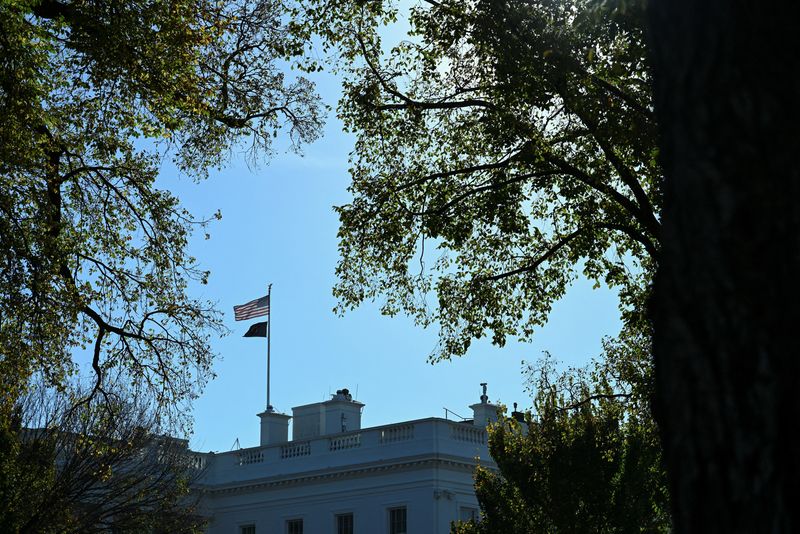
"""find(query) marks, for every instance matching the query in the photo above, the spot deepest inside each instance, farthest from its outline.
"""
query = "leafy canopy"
(502, 148)
(586, 459)
(93, 95)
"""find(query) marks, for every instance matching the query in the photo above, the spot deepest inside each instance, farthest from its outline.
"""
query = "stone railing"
(251, 457)
(377, 444)
(396, 433)
(339, 443)
(295, 449)
(469, 434)
(197, 461)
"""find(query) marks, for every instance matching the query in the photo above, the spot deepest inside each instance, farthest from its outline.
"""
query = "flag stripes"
(254, 308)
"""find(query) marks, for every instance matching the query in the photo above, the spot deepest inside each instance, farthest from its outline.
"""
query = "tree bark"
(728, 285)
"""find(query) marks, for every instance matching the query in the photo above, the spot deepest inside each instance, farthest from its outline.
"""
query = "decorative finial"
(484, 397)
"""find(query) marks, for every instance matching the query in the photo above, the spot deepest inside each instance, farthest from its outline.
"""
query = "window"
(294, 526)
(344, 524)
(468, 514)
(247, 529)
(397, 520)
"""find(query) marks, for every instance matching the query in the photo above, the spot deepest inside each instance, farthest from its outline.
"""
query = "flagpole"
(269, 337)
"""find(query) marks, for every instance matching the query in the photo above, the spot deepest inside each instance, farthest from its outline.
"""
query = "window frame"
(342, 514)
(390, 523)
(296, 520)
(474, 511)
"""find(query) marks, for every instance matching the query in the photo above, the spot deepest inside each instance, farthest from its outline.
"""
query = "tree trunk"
(727, 334)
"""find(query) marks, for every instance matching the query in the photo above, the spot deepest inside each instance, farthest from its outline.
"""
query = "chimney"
(483, 412)
(342, 413)
(339, 414)
(274, 427)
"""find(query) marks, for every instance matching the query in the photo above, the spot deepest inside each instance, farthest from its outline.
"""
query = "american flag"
(254, 308)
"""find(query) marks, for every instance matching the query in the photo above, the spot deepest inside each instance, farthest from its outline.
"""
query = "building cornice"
(427, 461)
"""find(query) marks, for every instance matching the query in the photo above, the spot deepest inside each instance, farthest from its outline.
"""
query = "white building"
(333, 477)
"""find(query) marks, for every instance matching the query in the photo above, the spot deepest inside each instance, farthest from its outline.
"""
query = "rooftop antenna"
(356, 397)
(236, 445)
(447, 410)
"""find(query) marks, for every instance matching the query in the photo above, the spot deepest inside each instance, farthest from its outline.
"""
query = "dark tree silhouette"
(726, 360)
(93, 251)
(93, 467)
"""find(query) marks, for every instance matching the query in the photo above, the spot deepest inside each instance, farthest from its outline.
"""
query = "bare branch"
(592, 398)
(645, 211)
(551, 251)
(455, 172)
(487, 187)
(409, 103)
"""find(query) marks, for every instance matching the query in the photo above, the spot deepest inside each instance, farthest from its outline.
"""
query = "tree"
(93, 468)
(93, 96)
(588, 459)
(726, 289)
(514, 138)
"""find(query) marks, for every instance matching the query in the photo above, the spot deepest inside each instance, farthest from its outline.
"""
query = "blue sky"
(278, 226)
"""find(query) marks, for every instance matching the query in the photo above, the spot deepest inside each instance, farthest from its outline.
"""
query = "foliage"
(25, 471)
(504, 147)
(93, 468)
(93, 95)
(501, 149)
(589, 459)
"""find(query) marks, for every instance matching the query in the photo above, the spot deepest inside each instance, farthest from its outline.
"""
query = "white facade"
(417, 472)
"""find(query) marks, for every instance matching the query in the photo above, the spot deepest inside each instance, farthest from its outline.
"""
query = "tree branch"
(446, 174)
(645, 208)
(626, 203)
(565, 240)
(561, 243)
(622, 95)
(487, 187)
(52, 9)
(634, 234)
(417, 104)
(591, 398)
